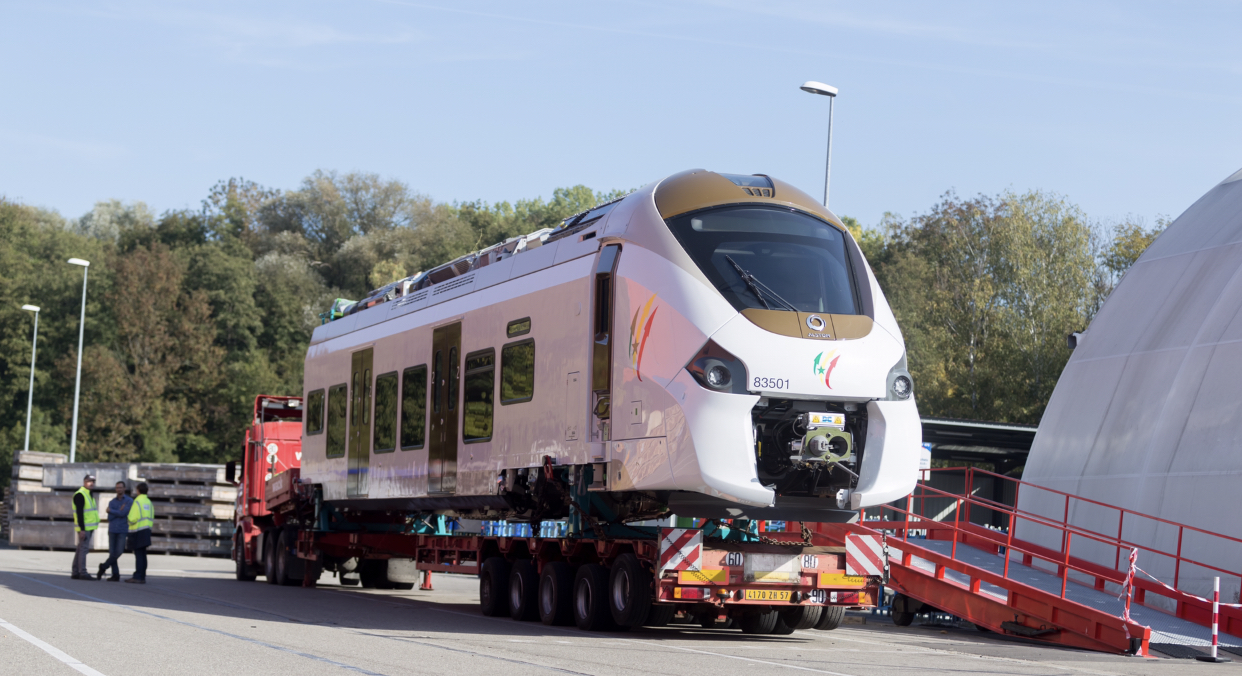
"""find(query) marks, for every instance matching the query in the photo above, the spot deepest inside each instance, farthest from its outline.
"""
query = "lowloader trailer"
(601, 575)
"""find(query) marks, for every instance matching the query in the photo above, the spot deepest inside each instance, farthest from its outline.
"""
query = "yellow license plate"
(766, 595)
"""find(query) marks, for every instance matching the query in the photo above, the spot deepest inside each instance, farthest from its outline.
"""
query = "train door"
(445, 376)
(360, 423)
(601, 352)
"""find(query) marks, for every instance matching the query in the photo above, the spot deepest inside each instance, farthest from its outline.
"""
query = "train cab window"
(517, 372)
(414, 407)
(338, 402)
(480, 391)
(771, 257)
(385, 427)
(314, 412)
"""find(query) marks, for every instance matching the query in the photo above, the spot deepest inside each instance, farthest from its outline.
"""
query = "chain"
(806, 538)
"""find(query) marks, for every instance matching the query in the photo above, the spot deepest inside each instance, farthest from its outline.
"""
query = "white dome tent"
(1147, 414)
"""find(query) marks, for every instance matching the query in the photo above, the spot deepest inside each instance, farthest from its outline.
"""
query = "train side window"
(518, 327)
(314, 412)
(480, 394)
(452, 379)
(414, 407)
(517, 372)
(437, 380)
(385, 434)
(338, 402)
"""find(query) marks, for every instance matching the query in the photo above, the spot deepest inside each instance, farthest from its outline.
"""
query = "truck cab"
(272, 445)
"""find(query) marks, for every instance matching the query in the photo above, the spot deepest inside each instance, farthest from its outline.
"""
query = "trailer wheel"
(347, 579)
(801, 617)
(903, 618)
(289, 568)
(830, 618)
(660, 614)
(629, 591)
(524, 591)
(781, 628)
(374, 575)
(556, 590)
(494, 587)
(759, 623)
(591, 612)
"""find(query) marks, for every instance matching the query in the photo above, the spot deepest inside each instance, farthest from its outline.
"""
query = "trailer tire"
(629, 591)
(373, 573)
(591, 610)
(494, 587)
(289, 568)
(903, 618)
(350, 581)
(660, 615)
(759, 622)
(830, 618)
(801, 617)
(782, 628)
(524, 591)
(556, 592)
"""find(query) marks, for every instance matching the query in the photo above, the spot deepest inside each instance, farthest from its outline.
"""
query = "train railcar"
(713, 345)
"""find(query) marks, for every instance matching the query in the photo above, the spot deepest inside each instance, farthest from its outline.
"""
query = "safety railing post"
(957, 511)
(905, 535)
(1065, 564)
(1008, 546)
(1121, 518)
(1065, 524)
(970, 485)
(1177, 563)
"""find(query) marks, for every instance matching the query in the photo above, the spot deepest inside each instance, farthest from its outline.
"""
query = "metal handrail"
(1070, 530)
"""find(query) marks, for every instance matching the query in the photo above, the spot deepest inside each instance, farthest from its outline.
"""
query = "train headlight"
(900, 385)
(718, 376)
(716, 369)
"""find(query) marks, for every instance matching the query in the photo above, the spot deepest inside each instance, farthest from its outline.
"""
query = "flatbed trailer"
(600, 576)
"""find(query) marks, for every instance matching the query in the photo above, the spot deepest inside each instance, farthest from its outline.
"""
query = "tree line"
(192, 313)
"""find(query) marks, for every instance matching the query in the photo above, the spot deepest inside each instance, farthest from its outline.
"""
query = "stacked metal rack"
(193, 505)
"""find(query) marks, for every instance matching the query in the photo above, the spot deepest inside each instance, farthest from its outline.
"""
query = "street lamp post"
(77, 383)
(831, 92)
(34, 346)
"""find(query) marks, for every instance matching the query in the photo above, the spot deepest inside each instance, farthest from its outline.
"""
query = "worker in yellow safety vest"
(141, 519)
(85, 521)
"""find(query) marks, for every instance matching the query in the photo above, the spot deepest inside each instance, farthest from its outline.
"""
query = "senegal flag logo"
(823, 366)
(640, 329)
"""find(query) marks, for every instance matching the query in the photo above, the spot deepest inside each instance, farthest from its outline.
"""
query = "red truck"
(597, 574)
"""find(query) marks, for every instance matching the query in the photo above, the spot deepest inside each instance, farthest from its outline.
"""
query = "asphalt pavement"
(192, 617)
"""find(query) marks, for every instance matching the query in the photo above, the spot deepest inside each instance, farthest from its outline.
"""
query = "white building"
(1148, 412)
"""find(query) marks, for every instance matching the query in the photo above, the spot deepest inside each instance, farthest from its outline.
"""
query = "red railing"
(1188, 605)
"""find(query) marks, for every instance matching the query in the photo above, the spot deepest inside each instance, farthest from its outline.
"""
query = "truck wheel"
(347, 579)
(244, 572)
(660, 615)
(494, 587)
(903, 618)
(759, 623)
(591, 611)
(524, 591)
(289, 567)
(269, 556)
(556, 589)
(830, 618)
(629, 591)
(801, 617)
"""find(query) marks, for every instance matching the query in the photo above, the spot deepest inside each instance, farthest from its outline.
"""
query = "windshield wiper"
(757, 287)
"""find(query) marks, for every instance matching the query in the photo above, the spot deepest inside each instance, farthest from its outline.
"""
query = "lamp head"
(79, 261)
(819, 88)
(31, 308)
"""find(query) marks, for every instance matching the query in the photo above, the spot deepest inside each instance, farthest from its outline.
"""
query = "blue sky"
(1123, 107)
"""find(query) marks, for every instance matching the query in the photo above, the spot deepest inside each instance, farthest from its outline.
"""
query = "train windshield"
(770, 257)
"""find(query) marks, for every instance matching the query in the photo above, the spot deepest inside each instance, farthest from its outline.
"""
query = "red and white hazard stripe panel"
(681, 549)
(864, 555)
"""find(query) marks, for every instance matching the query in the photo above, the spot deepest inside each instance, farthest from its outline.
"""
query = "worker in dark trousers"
(118, 530)
(85, 521)
(141, 519)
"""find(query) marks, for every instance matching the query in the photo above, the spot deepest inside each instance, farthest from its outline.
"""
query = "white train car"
(713, 345)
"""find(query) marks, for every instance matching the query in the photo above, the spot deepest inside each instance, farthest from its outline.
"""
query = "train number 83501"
(770, 383)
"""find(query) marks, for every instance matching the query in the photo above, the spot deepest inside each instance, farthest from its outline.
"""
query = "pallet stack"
(193, 506)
